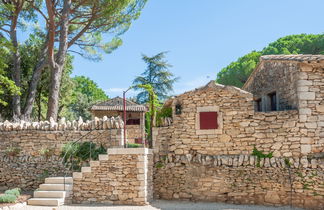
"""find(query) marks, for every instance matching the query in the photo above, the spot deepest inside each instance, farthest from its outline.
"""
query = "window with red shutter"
(208, 120)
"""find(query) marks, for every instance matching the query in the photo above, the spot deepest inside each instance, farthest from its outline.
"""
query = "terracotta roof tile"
(299, 57)
(116, 104)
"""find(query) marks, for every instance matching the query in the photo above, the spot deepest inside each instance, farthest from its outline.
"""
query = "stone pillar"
(122, 177)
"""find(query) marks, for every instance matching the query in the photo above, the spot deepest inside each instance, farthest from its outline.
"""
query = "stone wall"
(124, 176)
(310, 89)
(240, 179)
(283, 133)
(275, 76)
(133, 131)
(28, 167)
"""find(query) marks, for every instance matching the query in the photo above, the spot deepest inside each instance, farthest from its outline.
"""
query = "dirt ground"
(164, 205)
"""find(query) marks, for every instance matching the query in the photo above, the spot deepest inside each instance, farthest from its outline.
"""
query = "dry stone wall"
(124, 176)
(285, 134)
(22, 162)
(241, 179)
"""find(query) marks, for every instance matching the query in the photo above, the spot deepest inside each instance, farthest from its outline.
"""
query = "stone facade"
(124, 176)
(275, 76)
(208, 164)
(239, 179)
(28, 167)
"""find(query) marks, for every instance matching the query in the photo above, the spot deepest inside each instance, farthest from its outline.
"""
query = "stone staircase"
(53, 192)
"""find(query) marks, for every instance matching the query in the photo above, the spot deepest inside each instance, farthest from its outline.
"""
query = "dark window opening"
(178, 109)
(273, 101)
(258, 105)
(208, 120)
(133, 122)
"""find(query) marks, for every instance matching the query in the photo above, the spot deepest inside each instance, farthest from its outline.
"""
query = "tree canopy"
(87, 28)
(237, 72)
(157, 75)
(85, 93)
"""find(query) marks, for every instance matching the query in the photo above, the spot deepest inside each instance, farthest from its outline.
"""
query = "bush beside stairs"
(53, 192)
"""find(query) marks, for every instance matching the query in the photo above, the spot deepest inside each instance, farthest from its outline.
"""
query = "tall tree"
(237, 72)
(10, 10)
(7, 86)
(157, 75)
(82, 23)
(76, 26)
(85, 93)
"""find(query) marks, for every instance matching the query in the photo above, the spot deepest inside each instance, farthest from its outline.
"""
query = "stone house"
(135, 117)
(206, 152)
(285, 82)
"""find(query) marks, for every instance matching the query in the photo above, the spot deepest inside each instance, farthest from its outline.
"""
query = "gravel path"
(164, 205)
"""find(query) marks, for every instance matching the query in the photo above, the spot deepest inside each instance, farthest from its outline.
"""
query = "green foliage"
(15, 192)
(163, 113)
(260, 154)
(8, 198)
(157, 75)
(85, 93)
(159, 165)
(237, 72)
(131, 145)
(12, 151)
(47, 152)
(78, 153)
(7, 86)
(287, 162)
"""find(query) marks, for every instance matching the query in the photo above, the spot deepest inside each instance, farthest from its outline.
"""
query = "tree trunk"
(32, 89)
(39, 104)
(16, 71)
(58, 65)
(54, 91)
(152, 120)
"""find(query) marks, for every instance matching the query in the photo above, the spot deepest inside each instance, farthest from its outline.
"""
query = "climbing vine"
(260, 154)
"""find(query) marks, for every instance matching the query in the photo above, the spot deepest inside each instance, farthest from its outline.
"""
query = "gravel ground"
(164, 205)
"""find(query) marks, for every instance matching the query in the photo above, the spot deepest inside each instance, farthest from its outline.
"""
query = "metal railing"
(69, 165)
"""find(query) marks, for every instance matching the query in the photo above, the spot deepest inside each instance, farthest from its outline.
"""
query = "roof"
(295, 58)
(210, 84)
(299, 57)
(116, 104)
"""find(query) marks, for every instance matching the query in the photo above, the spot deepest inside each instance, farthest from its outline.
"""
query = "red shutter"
(208, 120)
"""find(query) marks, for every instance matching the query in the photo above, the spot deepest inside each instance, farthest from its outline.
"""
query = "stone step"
(51, 194)
(58, 180)
(55, 187)
(86, 169)
(46, 201)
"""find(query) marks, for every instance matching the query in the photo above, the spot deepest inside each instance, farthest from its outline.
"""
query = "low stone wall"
(241, 179)
(22, 163)
(124, 176)
(28, 172)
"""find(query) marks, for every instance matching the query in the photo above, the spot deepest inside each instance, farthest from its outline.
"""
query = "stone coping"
(129, 151)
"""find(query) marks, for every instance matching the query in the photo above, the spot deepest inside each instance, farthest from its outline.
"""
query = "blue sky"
(202, 37)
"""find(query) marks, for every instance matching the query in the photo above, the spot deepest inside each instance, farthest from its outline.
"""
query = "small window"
(258, 103)
(273, 101)
(178, 109)
(208, 120)
(133, 122)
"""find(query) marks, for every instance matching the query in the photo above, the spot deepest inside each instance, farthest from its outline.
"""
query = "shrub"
(8, 198)
(130, 145)
(15, 192)
(78, 153)
(12, 151)
(47, 152)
